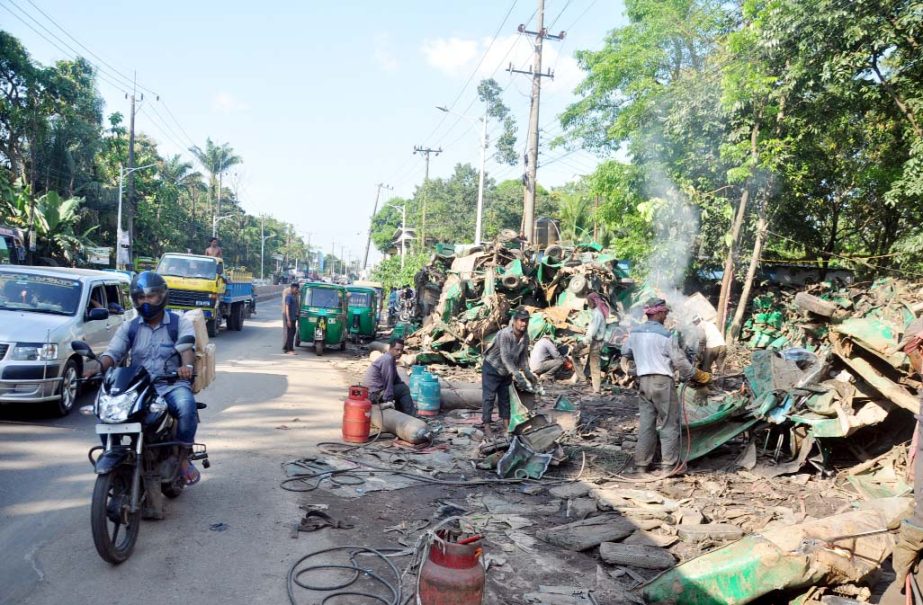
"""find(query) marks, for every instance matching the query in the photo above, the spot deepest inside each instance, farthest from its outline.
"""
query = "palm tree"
(216, 159)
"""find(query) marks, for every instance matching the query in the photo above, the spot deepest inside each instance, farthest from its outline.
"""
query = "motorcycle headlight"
(35, 351)
(115, 408)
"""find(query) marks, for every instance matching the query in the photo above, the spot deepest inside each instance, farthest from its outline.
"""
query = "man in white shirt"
(715, 349)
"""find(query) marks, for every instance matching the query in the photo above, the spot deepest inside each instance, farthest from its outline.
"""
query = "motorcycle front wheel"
(115, 528)
(319, 348)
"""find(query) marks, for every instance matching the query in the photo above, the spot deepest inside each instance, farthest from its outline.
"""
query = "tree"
(489, 93)
(216, 159)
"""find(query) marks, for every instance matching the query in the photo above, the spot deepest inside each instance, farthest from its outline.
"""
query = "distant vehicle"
(322, 316)
(145, 263)
(12, 249)
(200, 282)
(363, 313)
(43, 309)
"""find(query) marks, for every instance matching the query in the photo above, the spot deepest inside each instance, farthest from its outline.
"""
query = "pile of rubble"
(463, 301)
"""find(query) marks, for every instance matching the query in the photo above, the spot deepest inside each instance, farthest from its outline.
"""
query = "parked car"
(44, 309)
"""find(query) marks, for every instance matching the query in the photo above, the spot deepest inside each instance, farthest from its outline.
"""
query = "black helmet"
(149, 283)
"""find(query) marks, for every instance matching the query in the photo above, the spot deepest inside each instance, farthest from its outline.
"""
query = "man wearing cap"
(658, 356)
(910, 539)
(506, 361)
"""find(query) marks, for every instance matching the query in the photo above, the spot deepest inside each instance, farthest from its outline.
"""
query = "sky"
(324, 100)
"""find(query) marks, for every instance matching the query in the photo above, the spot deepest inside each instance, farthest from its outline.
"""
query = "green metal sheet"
(737, 574)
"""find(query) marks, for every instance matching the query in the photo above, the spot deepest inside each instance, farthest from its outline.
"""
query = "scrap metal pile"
(464, 301)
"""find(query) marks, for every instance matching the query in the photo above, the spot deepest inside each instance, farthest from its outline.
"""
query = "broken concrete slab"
(647, 538)
(588, 533)
(580, 508)
(636, 555)
(710, 531)
(691, 516)
(569, 490)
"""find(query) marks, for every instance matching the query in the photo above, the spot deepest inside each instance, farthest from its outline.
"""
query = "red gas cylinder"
(357, 415)
(452, 575)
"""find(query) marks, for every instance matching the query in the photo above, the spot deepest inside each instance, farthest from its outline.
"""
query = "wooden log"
(636, 555)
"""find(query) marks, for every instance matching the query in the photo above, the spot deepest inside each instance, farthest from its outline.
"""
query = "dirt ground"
(715, 489)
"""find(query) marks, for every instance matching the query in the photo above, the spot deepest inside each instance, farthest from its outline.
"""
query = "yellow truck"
(201, 282)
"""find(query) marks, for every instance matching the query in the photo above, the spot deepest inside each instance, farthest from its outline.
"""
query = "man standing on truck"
(290, 319)
(214, 248)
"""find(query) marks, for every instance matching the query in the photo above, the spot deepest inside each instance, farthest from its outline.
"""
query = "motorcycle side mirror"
(82, 348)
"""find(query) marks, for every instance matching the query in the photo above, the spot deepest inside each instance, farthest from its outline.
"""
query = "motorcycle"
(405, 313)
(140, 461)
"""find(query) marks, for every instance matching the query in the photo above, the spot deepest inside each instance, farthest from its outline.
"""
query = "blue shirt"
(153, 349)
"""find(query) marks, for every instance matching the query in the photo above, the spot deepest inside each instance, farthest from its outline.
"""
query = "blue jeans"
(181, 403)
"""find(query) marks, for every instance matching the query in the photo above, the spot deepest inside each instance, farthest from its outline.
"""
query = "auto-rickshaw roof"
(364, 289)
(322, 284)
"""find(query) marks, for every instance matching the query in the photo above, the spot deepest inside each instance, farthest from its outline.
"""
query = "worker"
(595, 333)
(214, 248)
(505, 362)
(385, 384)
(657, 357)
(545, 357)
(714, 347)
(290, 319)
(910, 539)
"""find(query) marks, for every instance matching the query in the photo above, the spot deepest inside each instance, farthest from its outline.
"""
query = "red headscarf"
(600, 303)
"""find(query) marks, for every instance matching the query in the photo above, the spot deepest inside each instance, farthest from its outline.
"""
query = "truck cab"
(201, 282)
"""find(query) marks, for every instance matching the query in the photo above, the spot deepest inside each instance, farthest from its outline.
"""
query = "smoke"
(676, 228)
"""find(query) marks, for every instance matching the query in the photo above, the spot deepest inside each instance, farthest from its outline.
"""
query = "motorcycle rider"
(148, 338)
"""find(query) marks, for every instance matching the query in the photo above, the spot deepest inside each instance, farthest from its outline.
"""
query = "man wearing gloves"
(506, 361)
(658, 356)
(910, 539)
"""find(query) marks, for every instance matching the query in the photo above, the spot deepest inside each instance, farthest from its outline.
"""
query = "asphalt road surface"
(225, 540)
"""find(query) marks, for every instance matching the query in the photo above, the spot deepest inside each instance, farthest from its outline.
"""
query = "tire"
(114, 489)
(343, 346)
(319, 348)
(212, 327)
(70, 388)
(241, 316)
(233, 316)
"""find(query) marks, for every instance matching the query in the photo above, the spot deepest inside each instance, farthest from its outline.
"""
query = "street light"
(403, 208)
(263, 238)
(483, 120)
(217, 219)
(122, 238)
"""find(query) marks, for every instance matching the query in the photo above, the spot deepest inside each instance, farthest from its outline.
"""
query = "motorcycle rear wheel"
(114, 540)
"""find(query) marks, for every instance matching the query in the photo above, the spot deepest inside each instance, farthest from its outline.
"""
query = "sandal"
(190, 473)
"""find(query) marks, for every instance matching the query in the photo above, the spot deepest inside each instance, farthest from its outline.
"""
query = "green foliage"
(54, 141)
(390, 274)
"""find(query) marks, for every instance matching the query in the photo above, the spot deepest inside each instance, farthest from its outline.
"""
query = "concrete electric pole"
(425, 152)
(368, 243)
(535, 70)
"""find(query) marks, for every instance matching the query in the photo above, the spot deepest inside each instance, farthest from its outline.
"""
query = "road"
(46, 550)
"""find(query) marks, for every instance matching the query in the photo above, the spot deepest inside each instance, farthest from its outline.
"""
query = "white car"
(44, 309)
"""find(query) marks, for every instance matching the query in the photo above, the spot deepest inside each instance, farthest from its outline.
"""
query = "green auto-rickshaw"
(363, 312)
(322, 316)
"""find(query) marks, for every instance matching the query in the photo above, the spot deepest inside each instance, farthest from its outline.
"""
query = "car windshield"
(359, 299)
(36, 293)
(326, 298)
(199, 268)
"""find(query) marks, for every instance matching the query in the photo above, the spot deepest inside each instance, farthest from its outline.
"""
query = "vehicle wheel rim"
(69, 388)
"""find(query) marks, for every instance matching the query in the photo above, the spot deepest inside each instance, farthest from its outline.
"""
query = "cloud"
(382, 54)
(450, 55)
(225, 102)
(458, 56)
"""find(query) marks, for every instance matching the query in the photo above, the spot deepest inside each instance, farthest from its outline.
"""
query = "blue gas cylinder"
(430, 395)
(416, 373)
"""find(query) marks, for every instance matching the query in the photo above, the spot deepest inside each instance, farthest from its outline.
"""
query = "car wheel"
(70, 386)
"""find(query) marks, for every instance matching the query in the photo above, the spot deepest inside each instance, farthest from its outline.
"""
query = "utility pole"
(130, 214)
(368, 243)
(425, 152)
(535, 70)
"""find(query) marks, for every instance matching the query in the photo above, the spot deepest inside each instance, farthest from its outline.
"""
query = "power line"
(566, 4)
